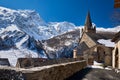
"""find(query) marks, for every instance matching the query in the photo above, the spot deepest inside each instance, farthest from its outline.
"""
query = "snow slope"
(13, 55)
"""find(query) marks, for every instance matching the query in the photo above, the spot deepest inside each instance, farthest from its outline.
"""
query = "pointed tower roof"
(88, 25)
(88, 22)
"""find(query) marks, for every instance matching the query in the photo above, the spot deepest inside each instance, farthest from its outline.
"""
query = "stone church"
(89, 46)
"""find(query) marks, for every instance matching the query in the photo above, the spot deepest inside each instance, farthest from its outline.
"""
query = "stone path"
(95, 74)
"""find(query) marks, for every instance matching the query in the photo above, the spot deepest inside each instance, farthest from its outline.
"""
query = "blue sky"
(68, 10)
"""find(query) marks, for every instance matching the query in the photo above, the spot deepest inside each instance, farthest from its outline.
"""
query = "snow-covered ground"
(96, 65)
(99, 66)
(13, 55)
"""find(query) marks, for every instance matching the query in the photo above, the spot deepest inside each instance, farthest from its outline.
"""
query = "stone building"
(4, 62)
(116, 51)
(90, 46)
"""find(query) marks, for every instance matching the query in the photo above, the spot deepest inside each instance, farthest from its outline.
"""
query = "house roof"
(4, 62)
(96, 36)
(115, 38)
(106, 43)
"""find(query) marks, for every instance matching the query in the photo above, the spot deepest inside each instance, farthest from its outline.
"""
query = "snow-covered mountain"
(32, 24)
(61, 27)
(54, 28)
(115, 29)
(25, 20)
(16, 43)
(21, 32)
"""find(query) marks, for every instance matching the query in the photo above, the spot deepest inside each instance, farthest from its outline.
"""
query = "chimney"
(75, 53)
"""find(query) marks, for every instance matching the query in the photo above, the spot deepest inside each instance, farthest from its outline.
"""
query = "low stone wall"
(54, 72)
(49, 72)
(36, 62)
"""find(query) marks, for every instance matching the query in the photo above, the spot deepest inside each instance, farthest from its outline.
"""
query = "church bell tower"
(88, 25)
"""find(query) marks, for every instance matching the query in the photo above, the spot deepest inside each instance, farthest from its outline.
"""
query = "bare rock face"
(6, 74)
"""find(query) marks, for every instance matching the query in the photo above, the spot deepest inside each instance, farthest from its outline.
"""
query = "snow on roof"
(107, 43)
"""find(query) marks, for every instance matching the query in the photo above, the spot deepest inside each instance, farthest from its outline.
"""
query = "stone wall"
(54, 72)
(44, 62)
(50, 72)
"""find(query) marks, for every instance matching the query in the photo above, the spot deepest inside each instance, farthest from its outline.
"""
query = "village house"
(116, 51)
(91, 46)
(4, 62)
